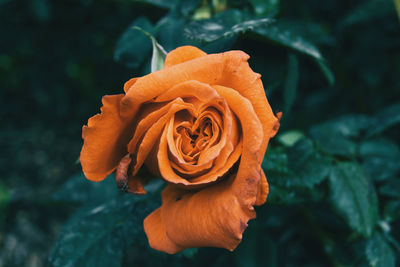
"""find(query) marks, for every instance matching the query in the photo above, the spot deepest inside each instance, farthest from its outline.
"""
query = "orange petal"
(182, 54)
(105, 138)
(263, 190)
(155, 231)
(241, 78)
(249, 172)
(212, 217)
(154, 132)
(129, 84)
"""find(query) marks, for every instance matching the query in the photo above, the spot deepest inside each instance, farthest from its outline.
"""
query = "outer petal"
(129, 84)
(182, 54)
(157, 235)
(263, 190)
(105, 138)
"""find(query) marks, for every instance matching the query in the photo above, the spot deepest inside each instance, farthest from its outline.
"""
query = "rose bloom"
(202, 124)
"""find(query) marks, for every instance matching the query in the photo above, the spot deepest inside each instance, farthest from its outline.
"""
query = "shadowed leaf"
(354, 197)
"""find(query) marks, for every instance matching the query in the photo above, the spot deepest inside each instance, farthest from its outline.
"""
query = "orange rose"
(202, 124)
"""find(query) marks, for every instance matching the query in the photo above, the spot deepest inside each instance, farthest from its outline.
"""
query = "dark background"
(57, 60)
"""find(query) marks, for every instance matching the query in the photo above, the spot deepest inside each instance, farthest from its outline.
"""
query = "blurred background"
(332, 67)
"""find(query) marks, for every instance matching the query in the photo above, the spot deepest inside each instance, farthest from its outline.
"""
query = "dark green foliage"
(98, 235)
(133, 46)
(223, 26)
(354, 196)
(379, 253)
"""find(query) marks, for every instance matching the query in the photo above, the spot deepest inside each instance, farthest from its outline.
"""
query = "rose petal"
(153, 133)
(129, 84)
(149, 119)
(156, 234)
(211, 217)
(263, 190)
(182, 54)
(105, 138)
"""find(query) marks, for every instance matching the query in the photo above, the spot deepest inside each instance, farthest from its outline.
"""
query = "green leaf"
(380, 158)
(283, 34)
(337, 137)
(291, 82)
(188, 6)
(391, 210)
(133, 47)
(354, 197)
(369, 10)
(225, 25)
(265, 7)
(308, 166)
(391, 188)
(98, 235)
(385, 119)
(378, 252)
(276, 165)
(327, 71)
(289, 138)
(5, 198)
(159, 53)
(397, 4)
(79, 190)
(160, 3)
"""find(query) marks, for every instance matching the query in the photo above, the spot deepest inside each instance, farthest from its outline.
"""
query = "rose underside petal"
(104, 137)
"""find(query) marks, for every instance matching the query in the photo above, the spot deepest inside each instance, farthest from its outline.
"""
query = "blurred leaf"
(80, 190)
(159, 53)
(289, 138)
(354, 197)
(160, 3)
(4, 200)
(256, 251)
(397, 4)
(391, 188)
(308, 166)
(369, 10)
(327, 71)
(385, 119)
(391, 210)
(133, 46)
(188, 6)
(291, 82)
(380, 158)
(336, 137)
(283, 34)
(265, 7)
(379, 253)
(223, 25)
(170, 31)
(275, 165)
(98, 235)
